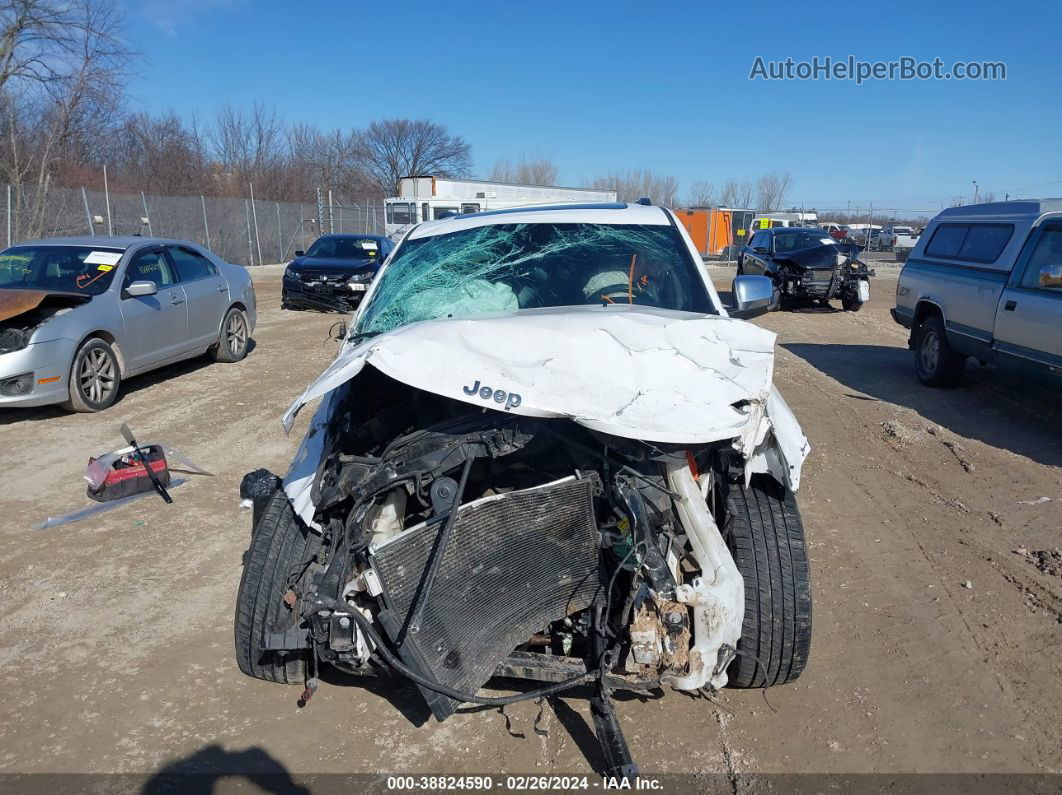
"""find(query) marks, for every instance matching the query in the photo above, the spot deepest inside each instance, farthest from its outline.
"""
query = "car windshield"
(508, 267)
(344, 248)
(78, 269)
(799, 239)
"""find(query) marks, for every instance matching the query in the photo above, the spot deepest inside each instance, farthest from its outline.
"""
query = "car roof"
(600, 213)
(105, 241)
(348, 236)
(1017, 210)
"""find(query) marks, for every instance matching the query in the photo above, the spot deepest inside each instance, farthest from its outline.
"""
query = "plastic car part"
(98, 508)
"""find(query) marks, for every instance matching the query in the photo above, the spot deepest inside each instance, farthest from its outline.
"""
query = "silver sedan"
(80, 315)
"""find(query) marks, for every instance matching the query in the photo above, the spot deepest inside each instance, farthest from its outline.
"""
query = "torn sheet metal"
(635, 372)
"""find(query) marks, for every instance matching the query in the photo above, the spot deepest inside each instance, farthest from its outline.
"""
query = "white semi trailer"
(427, 198)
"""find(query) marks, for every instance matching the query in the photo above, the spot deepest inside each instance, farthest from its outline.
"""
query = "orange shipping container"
(710, 228)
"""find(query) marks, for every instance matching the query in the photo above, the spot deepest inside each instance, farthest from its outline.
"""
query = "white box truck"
(428, 198)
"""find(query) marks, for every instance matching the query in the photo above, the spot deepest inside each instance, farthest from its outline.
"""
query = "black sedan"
(335, 273)
(806, 263)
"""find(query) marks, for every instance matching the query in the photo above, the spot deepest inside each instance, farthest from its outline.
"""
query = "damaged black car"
(807, 265)
(335, 273)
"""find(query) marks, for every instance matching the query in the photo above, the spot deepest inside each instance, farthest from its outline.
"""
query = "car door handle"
(175, 300)
(1010, 305)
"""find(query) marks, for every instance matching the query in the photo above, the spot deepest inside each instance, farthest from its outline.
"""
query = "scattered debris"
(899, 432)
(1047, 561)
(1038, 501)
(995, 517)
(127, 474)
(968, 585)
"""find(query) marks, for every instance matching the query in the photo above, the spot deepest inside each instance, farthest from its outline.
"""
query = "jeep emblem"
(510, 399)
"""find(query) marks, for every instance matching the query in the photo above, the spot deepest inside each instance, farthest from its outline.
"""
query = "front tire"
(851, 304)
(936, 362)
(95, 377)
(235, 335)
(766, 537)
(279, 540)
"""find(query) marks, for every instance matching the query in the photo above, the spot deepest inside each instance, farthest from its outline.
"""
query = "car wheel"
(936, 362)
(235, 334)
(279, 540)
(765, 535)
(94, 377)
(851, 304)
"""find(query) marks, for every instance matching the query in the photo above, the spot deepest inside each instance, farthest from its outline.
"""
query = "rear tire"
(278, 542)
(936, 362)
(766, 537)
(95, 377)
(235, 335)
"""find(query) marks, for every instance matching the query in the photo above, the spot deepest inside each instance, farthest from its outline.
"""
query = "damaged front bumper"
(330, 296)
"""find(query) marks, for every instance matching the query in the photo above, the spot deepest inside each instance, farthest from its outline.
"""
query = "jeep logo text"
(510, 399)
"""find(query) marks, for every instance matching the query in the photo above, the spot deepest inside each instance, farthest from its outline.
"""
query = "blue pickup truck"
(985, 282)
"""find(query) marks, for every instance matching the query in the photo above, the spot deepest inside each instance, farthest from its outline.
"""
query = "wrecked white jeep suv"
(545, 452)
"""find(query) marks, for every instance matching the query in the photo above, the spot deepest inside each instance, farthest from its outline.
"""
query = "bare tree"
(395, 148)
(736, 194)
(641, 183)
(62, 77)
(771, 190)
(534, 169)
(702, 194)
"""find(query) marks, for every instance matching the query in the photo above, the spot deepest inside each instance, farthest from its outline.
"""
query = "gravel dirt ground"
(929, 516)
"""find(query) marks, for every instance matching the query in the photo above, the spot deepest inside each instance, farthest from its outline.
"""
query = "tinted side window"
(985, 242)
(190, 265)
(970, 242)
(151, 266)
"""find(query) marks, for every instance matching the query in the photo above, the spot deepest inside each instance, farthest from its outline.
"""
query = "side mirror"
(753, 296)
(1051, 275)
(300, 253)
(139, 289)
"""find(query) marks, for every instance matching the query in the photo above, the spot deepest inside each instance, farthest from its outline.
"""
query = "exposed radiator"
(513, 564)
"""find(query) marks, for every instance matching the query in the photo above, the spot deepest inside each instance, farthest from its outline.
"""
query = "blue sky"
(661, 85)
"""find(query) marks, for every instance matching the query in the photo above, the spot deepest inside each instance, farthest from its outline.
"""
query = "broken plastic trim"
(99, 507)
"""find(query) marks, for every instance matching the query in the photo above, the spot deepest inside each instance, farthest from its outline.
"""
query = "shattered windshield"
(507, 267)
(75, 269)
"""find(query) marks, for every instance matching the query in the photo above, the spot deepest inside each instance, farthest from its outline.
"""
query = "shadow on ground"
(989, 405)
(200, 773)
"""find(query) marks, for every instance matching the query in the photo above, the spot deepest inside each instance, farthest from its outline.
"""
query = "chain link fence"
(238, 230)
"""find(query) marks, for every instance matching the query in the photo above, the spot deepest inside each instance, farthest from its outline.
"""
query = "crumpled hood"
(634, 372)
(825, 256)
(336, 263)
(14, 302)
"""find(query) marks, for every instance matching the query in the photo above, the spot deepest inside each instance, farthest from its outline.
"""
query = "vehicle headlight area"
(17, 386)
